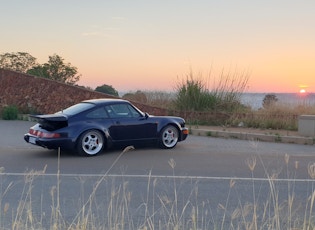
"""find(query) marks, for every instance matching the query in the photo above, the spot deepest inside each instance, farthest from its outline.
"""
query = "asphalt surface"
(149, 185)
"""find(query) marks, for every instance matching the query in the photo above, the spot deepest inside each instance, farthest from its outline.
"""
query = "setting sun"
(302, 91)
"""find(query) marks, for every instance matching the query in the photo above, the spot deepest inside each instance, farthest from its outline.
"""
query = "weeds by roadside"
(10, 112)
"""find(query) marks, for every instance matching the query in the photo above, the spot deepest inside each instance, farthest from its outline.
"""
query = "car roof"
(105, 101)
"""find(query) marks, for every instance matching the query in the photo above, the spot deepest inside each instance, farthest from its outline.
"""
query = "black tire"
(169, 137)
(90, 143)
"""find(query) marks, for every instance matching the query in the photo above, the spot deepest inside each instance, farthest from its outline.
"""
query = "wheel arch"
(162, 126)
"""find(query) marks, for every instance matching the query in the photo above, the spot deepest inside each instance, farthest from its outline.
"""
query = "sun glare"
(303, 88)
(302, 91)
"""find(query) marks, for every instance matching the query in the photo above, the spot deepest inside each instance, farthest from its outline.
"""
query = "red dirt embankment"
(41, 95)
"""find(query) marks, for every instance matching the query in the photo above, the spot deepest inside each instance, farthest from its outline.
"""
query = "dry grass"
(277, 116)
(165, 206)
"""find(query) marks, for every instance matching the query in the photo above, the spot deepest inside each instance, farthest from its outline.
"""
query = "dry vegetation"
(201, 103)
(277, 116)
(167, 208)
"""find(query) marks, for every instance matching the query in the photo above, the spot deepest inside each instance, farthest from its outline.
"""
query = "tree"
(20, 61)
(138, 96)
(40, 71)
(56, 70)
(108, 89)
(269, 100)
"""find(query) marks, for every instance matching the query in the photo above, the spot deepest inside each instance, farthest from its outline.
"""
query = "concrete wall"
(306, 125)
(40, 95)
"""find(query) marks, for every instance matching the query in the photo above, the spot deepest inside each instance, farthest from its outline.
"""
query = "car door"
(129, 124)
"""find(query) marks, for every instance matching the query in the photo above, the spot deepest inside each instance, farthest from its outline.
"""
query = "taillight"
(44, 134)
(33, 132)
(49, 135)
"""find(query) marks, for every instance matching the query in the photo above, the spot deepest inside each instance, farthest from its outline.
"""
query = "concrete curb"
(254, 136)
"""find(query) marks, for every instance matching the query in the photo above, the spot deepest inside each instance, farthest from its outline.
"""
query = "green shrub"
(10, 112)
(195, 94)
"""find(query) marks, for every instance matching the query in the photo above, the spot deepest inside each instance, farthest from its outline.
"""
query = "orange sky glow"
(152, 45)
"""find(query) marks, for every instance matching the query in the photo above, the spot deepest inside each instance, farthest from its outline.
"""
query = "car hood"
(173, 118)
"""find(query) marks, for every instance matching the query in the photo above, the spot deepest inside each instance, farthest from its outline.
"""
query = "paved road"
(149, 185)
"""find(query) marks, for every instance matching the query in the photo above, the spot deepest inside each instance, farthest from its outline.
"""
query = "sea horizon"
(255, 100)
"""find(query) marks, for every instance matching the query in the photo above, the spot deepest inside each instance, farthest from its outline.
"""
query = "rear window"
(78, 108)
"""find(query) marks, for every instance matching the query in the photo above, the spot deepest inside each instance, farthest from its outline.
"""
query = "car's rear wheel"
(90, 143)
(169, 137)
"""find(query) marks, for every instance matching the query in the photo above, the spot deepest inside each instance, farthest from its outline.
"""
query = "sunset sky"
(151, 45)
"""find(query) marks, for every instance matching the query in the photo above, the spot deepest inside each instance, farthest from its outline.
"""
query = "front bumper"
(184, 134)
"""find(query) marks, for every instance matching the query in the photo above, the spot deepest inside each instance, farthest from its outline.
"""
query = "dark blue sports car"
(92, 125)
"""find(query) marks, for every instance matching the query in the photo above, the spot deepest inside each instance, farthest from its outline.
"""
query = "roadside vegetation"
(202, 103)
(109, 203)
(195, 93)
(10, 112)
(219, 103)
(211, 100)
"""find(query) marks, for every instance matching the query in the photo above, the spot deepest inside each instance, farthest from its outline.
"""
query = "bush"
(195, 94)
(192, 95)
(269, 100)
(10, 112)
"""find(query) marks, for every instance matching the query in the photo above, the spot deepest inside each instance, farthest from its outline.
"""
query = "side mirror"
(145, 117)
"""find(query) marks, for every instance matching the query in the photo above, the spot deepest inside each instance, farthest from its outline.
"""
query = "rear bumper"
(49, 143)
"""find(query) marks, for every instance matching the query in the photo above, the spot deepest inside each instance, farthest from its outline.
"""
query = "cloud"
(117, 18)
(88, 34)
(98, 31)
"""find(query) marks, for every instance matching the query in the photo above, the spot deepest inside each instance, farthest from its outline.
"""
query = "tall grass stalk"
(308, 221)
(149, 219)
(251, 163)
(225, 207)
(3, 192)
(56, 217)
(230, 87)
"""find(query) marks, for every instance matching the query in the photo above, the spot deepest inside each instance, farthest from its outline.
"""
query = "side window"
(122, 111)
(134, 112)
(98, 113)
(118, 111)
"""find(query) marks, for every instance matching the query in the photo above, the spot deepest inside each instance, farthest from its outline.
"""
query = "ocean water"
(255, 100)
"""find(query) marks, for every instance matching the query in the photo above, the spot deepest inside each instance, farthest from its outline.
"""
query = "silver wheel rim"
(92, 143)
(170, 137)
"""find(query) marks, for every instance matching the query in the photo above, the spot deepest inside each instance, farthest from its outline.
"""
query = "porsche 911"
(89, 127)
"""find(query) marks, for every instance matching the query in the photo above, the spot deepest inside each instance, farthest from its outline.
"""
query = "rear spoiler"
(51, 117)
(51, 122)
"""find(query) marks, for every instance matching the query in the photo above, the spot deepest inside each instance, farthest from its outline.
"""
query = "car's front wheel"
(169, 137)
(90, 143)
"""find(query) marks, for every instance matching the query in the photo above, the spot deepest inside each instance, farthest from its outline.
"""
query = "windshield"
(78, 108)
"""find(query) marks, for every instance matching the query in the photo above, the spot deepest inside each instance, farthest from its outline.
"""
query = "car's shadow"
(53, 153)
